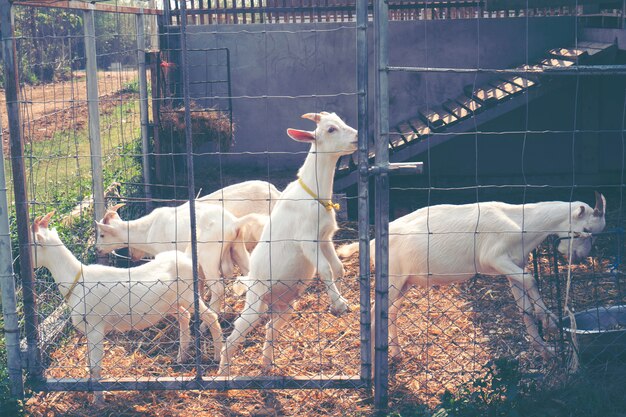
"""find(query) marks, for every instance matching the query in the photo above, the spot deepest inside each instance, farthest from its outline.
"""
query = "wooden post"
(9, 55)
(156, 106)
(143, 109)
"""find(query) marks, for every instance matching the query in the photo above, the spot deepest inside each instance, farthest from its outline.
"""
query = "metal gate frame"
(33, 363)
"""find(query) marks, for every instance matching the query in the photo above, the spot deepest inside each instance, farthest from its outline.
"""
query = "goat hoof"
(180, 359)
(341, 307)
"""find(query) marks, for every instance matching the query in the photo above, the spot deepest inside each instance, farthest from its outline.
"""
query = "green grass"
(58, 177)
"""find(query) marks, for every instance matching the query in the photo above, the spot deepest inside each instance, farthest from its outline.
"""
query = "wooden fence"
(203, 12)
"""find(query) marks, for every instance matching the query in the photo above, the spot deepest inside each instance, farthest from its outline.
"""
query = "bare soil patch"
(61, 106)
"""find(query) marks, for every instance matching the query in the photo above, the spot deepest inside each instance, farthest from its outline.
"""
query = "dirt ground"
(447, 335)
(61, 106)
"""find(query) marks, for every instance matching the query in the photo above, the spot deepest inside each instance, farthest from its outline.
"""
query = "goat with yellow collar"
(297, 240)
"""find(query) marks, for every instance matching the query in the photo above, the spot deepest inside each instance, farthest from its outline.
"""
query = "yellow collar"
(328, 205)
(76, 278)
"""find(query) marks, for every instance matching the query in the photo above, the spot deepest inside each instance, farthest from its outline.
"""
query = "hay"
(447, 335)
(208, 125)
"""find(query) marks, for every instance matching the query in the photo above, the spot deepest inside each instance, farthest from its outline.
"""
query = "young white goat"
(219, 237)
(103, 299)
(254, 199)
(443, 244)
(297, 240)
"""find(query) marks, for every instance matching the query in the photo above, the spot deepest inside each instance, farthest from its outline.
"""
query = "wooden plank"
(486, 95)
(407, 132)
(437, 118)
(396, 139)
(470, 104)
(507, 87)
(524, 82)
(554, 62)
(495, 5)
(420, 128)
(51, 327)
(79, 5)
(455, 108)
(567, 53)
(595, 45)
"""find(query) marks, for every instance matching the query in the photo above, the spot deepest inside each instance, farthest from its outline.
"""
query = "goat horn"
(36, 224)
(116, 207)
(316, 117)
(45, 221)
(598, 211)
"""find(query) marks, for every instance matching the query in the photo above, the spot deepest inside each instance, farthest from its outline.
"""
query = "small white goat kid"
(104, 299)
(443, 244)
(298, 238)
(219, 237)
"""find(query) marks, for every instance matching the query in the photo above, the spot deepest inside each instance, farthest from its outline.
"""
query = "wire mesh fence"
(202, 117)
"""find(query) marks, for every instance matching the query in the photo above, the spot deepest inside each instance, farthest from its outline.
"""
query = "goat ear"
(104, 227)
(316, 117)
(38, 237)
(108, 216)
(301, 135)
(580, 212)
(598, 211)
(45, 221)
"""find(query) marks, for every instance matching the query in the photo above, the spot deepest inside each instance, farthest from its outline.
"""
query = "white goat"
(245, 197)
(254, 199)
(298, 238)
(104, 299)
(219, 237)
(443, 244)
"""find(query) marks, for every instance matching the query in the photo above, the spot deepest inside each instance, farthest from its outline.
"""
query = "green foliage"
(116, 41)
(8, 405)
(48, 43)
(496, 394)
(131, 87)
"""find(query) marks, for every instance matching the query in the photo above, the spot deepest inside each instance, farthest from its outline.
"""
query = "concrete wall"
(281, 72)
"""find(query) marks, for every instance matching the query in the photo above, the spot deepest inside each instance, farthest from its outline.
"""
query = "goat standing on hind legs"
(297, 240)
(444, 244)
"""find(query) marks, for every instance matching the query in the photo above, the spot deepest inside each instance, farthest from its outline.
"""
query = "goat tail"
(240, 287)
(346, 251)
(250, 218)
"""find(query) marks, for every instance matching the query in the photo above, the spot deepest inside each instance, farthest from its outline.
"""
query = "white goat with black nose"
(443, 244)
(297, 240)
(103, 299)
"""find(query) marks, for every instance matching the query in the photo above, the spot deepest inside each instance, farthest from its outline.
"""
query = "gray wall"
(313, 68)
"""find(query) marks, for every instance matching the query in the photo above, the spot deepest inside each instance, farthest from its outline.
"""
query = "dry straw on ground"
(447, 335)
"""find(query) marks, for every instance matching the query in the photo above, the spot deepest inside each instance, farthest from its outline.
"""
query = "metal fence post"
(9, 302)
(143, 107)
(191, 190)
(363, 191)
(9, 55)
(381, 187)
(94, 117)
